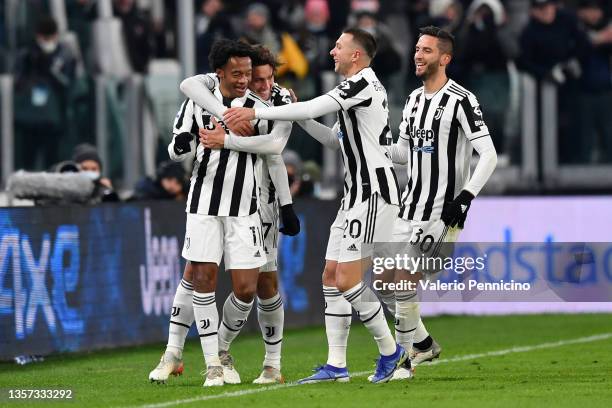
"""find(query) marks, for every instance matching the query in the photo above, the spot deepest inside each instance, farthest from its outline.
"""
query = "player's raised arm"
(326, 136)
(199, 88)
(183, 144)
(400, 151)
(272, 143)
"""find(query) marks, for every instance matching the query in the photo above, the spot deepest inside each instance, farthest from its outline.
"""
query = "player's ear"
(220, 73)
(446, 59)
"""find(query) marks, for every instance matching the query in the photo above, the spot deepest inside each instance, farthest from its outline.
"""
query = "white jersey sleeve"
(183, 123)
(350, 93)
(470, 118)
(278, 175)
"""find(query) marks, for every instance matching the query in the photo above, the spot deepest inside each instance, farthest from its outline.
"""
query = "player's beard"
(430, 71)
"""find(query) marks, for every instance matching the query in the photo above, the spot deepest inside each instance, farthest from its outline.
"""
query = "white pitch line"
(521, 349)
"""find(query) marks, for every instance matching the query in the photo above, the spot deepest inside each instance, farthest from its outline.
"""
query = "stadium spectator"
(551, 42)
(137, 32)
(44, 73)
(257, 28)
(596, 81)
(89, 162)
(388, 60)
(169, 184)
(212, 23)
(483, 60)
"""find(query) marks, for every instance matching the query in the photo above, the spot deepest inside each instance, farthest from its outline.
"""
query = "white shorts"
(269, 223)
(424, 238)
(208, 238)
(368, 222)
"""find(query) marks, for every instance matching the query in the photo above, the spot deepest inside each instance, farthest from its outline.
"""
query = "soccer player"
(370, 204)
(270, 311)
(222, 221)
(441, 124)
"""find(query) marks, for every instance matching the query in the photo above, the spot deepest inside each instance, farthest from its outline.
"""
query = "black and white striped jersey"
(363, 130)
(279, 96)
(223, 181)
(439, 132)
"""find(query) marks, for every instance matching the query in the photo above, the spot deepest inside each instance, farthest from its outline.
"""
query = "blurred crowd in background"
(566, 42)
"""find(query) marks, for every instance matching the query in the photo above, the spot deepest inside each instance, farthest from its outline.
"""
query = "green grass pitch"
(539, 365)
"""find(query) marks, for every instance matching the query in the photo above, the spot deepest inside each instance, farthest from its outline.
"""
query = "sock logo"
(396, 322)
(205, 324)
(187, 242)
(240, 323)
(325, 305)
(175, 311)
(269, 331)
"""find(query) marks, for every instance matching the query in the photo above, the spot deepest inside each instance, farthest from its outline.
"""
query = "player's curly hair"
(263, 56)
(223, 49)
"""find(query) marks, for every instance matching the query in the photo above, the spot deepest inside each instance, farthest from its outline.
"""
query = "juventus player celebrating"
(441, 123)
(370, 204)
(270, 311)
(222, 219)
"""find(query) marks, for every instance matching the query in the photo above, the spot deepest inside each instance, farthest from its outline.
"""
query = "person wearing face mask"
(89, 163)
(44, 73)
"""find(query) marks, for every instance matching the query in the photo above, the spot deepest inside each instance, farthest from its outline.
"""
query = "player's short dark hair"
(364, 39)
(46, 26)
(263, 56)
(446, 41)
(222, 50)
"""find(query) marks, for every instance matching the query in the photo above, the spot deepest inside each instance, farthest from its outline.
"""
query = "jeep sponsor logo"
(425, 134)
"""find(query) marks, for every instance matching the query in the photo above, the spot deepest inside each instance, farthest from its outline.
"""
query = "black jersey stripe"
(451, 150)
(352, 163)
(238, 184)
(179, 122)
(366, 187)
(418, 185)
(457, 94)
(253, 206)
(381, 176)
(217, 189)
(197, 187)
(435, 165)
(469, 115)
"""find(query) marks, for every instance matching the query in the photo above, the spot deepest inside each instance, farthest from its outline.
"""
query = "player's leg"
(338, 313)
(424, 347)
(181, 319)
(270, 311)
(369, 222)
(244, 255)
(271, 317)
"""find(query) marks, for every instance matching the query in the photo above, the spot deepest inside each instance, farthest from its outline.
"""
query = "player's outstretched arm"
(272, 143)
(199, 88)
(314, 108)
(326, 136)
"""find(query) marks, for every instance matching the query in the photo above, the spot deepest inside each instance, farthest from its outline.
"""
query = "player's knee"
(204, 278)
(245, 291)
(329, 273)
(267, 285)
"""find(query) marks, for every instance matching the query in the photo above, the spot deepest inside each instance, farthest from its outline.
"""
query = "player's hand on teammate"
(454, 213)
(213, 139)
(244, 128)
(233, 116)
(292, 95)
(290, 222)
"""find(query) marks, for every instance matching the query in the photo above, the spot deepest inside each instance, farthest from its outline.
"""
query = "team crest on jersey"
(439, 113)
(343, 89)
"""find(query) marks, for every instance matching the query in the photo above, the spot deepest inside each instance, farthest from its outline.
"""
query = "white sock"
(420, 333)
(370, 312)
(235, 314)
(388, 299)
(181, 318)
(407, 318)
(271, 317)
(207, 321)
(338, 314)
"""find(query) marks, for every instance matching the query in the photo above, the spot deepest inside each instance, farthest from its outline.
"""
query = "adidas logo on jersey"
(352, 248)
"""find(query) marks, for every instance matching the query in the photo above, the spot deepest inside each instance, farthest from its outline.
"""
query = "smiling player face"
(235, 76)
(262, 81)
(427, 57)
(343, 54)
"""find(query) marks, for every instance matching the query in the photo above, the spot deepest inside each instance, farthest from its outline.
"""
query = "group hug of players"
(234, 126)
